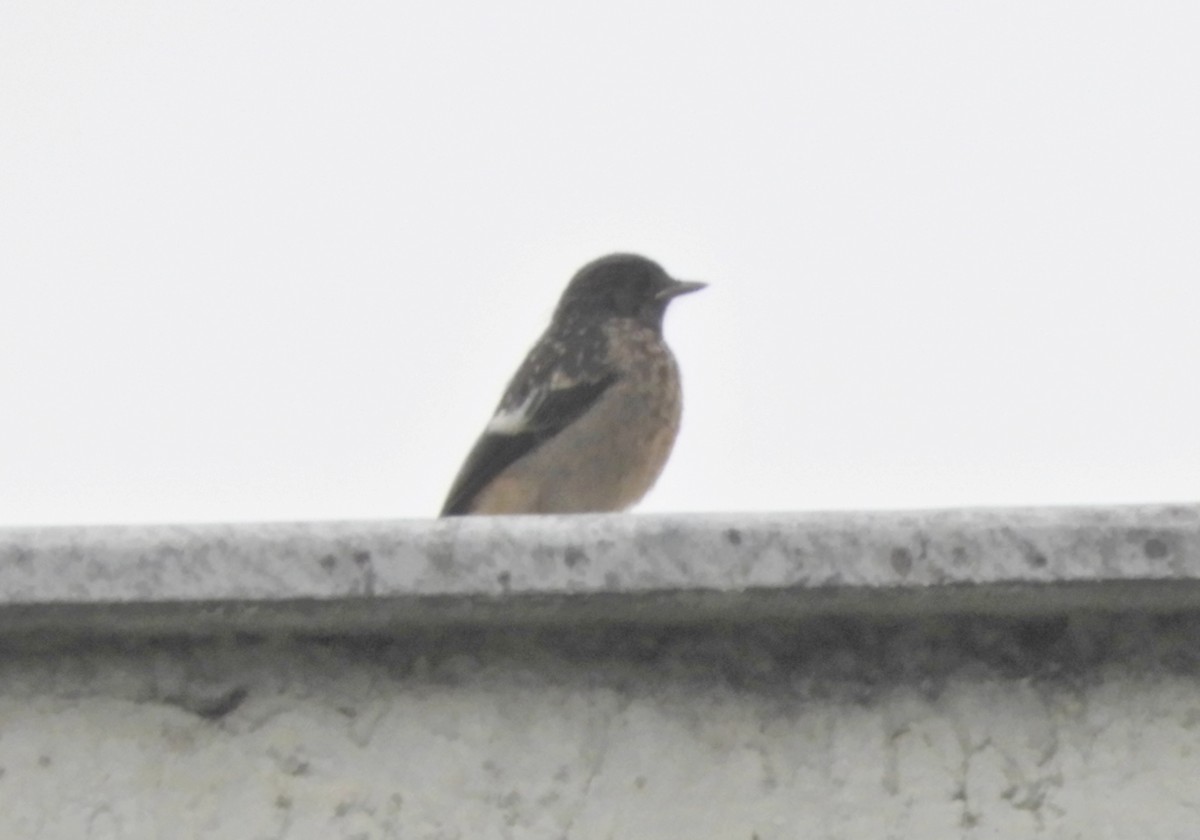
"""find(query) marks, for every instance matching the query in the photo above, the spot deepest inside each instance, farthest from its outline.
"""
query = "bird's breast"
(610, 456)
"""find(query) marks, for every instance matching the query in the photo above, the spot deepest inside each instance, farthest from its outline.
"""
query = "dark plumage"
(589, 419)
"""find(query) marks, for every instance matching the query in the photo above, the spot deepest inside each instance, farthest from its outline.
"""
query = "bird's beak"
(680, 287)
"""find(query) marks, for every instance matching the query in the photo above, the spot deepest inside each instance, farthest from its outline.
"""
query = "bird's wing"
(517, 430)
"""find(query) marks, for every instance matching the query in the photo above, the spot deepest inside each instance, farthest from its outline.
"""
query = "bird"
(590, 417)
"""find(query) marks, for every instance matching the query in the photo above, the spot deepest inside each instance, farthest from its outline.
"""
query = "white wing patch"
(515, 420)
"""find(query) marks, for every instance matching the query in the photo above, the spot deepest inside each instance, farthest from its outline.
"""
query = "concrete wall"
(1004, 674)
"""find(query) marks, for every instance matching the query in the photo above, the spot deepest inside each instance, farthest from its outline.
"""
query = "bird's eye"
(628, 300)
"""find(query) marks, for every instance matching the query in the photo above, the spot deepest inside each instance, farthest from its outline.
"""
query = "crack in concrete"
(600, 750)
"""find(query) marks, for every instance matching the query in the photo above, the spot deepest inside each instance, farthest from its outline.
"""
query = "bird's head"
(622, 286)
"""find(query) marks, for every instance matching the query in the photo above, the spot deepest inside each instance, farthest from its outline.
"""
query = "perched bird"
(589, 419)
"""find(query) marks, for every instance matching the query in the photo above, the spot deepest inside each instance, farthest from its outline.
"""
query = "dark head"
(621, 286)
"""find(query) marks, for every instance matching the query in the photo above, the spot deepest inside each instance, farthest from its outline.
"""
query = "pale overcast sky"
(264, 261)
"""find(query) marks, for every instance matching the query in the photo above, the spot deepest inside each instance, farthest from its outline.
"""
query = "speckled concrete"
(354, 577)
(939, 729)
(946, 676)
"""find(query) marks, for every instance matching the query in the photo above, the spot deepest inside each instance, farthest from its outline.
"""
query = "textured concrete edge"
(370, 576)
(366, 615)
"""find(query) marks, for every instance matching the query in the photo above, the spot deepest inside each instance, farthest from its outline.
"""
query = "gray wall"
(959, 675)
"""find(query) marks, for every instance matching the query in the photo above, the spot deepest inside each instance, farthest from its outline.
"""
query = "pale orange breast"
(610, 457)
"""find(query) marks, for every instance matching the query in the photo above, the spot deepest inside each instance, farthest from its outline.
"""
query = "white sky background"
(277, 261)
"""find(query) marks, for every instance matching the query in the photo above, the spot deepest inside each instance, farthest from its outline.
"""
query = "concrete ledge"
(965, 675)
(372, 576)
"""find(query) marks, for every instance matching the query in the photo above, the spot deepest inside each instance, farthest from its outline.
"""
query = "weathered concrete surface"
(1005, 674)
(354, 577)
(938, 729)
